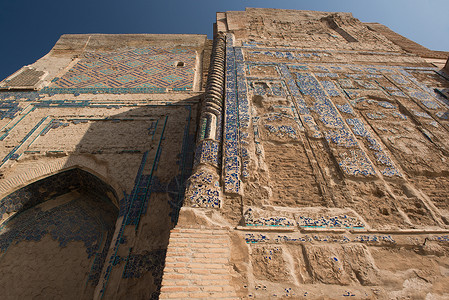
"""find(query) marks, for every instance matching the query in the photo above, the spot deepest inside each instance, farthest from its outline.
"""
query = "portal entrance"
(55, 236)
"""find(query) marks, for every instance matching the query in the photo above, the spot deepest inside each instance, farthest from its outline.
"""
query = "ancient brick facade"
(299, 154)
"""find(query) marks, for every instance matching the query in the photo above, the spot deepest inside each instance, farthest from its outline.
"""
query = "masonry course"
(298, 154)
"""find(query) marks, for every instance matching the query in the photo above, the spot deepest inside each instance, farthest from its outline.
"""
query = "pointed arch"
(57, 231)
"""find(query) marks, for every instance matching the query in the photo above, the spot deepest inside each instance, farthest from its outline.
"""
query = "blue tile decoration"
(366, 84)
(399, 115)
(95, 221)
(330, 75)
(96, 246)
(444, 115)
(208, 152)
(383, 160)
(138, 264)
(440, 238)
(244, 115)
(100, 90)
(266, 87)
(345, 108)
(152, 129)
(203, 190)
(134, 205)
(353, 162)
(421, 114)
(374, 238)
(303, 111)
(330, 88)
(386, 104)
(52, 186)
(353, 75)
(346, 83)
(282, 131)
(358, 128)
(376, 116)
(9, 126)
(252, 219)
(177, 186)
(231, 145)
(17, 95)
(284, 55)
(338, 221)
(34, 224)
(299, 67)
(138, 70)
(252, 238)
(140, 195)
(205, 126)
(260, 238)
(320, 116)
(151, 262)
(53, 125)
(377, 76)
(355, 68)
(9, 109)
(12, 154)
(393, 91)
(251, 44)
(431, 99)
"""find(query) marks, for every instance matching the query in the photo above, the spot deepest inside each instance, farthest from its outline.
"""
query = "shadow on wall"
(73, 234)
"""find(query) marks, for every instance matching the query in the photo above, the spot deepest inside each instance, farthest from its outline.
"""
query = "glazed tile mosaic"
(353, 80)
(208, 151)
(203, 190)
(33, 223)
(339, 221)
(254, 219)
(231, 145)
(141, 70)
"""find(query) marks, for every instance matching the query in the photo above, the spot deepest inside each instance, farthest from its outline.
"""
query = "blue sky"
(30, 28)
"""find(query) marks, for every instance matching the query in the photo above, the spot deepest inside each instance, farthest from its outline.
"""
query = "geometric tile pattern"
(203, 190)
(26, 78)
(137, 68)
(231, 145)
(322, 93)
(90, 220)
(136, 204)
(9, 109)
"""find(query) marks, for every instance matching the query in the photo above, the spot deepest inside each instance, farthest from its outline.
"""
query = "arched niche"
(54, 236)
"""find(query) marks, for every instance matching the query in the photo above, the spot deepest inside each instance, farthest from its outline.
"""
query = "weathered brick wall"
(198, 265)
(407, 44)
(333, 173)
(120, 107)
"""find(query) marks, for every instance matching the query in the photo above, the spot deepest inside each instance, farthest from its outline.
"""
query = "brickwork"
(406, 44)
(312, 164)
(198, 265)
(123, 113)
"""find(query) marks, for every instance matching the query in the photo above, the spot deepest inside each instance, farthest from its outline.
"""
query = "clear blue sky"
(30, 28)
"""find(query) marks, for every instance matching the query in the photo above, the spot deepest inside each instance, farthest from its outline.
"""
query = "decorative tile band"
(201, 190)
(231, 145)
(244, 115)
(353, 161)
(208, 152)
(133, 70)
